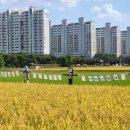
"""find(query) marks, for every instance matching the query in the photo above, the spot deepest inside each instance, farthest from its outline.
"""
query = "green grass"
(76, 79)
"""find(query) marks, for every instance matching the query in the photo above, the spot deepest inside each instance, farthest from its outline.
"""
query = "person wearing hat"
(26, 74)
(70, 75)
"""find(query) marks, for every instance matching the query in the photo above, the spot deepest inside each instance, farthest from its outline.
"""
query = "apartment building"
(4, 32)
(77, 39)
(41, 32)
(15, 32)
(115, 41)
(107, 45)
(56, 40)
(90, 39)
(123, 42)
(100, 35)
(25, 31)
(128, 42)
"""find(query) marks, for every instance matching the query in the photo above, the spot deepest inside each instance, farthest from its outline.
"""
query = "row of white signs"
(104, 78)
(45, 76)
(59, 77)
(9, 74)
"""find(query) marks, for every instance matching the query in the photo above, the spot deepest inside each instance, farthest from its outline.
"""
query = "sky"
(101, 11)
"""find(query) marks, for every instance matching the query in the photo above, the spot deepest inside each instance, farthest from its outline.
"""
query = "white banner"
(40, 76)
(34, 75)
(45, 76)
(96, 78)
(17, 73)
(108, 78)
(50, 77)
(83, 78)
(2, 74)
(55, 77)
(123, 77)
(9, 74)
(102, 78)
(5, 74)
(13, 74)
(59, 77)
(116, 77)
(90, 78)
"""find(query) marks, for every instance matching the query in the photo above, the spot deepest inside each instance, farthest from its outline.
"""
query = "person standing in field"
(70, 75)
(26, 74)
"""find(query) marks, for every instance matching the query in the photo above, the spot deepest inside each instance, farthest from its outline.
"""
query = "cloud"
(60, 4)
(106, 11)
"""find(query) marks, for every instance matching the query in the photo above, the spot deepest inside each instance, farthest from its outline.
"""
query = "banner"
(5, 74)
(90, 78)
(40, 76)
(96, 78)
(55, 77)
(83, 78)
(102, 78)
(45, 76)
(50, 77)
(116, 77)
(13, 74)
(108, 78)
(9, 74)
(123, 77)
(17, 73)
(34, 75)
(59, 77)
(2, 74)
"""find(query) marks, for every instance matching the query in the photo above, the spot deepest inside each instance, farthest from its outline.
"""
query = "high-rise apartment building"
(109, 40)
(101, 37)
(123, 42)
(115, 41)
(4, 32)
(41, 32)
(90, 39)
(73, 39)
(107, 45)
(76, 39)
(128, 42)
(15, 32)
(25, 31)
(56, 40)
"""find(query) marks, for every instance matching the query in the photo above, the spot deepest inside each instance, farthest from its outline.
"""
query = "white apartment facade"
(128, 42)
(73, 39)
(4, 32)
(77, 39)
(107, 45)
(90, 39)
(15, 32)
(123, 42)
(41, 32)
(100, 35)
(115, 41)
(56, 40)
(25, 31)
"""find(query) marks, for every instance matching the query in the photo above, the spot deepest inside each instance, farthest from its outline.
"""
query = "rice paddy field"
(61, 107)
(54, 105)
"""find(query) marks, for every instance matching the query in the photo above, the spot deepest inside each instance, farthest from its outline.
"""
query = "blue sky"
(101, 11)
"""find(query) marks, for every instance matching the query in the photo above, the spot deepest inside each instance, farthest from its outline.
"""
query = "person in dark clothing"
(70, 75)
(26, 74)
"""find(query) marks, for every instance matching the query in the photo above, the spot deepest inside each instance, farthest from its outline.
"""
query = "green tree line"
(22, 59)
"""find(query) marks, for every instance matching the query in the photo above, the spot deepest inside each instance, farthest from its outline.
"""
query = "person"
(26, 74)
(70, 75)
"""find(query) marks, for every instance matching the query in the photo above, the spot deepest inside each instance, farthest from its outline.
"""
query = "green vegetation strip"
(76, 80)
